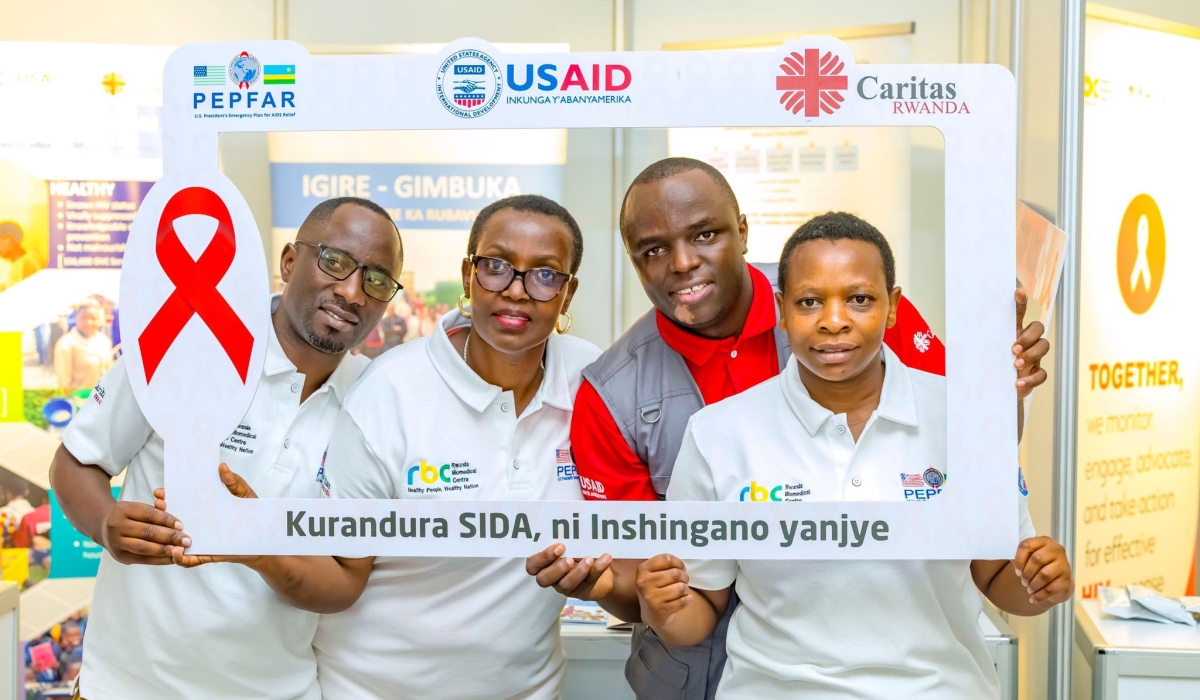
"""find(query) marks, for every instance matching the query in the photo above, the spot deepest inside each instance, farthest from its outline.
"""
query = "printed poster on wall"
(90, 220)
(432, 183)
(1139, 362)
(785, 176)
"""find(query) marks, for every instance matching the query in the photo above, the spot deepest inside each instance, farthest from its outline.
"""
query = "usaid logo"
(469, 83)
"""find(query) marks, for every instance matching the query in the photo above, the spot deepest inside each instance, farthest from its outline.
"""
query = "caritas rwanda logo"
(811, 82)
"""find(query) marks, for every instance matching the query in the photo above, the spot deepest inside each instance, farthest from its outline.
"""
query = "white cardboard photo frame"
(976, 518)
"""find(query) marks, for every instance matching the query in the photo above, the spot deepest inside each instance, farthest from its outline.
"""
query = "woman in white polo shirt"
(489, 395)
(845, 411)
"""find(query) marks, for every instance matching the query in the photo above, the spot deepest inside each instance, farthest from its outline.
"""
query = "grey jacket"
(650, 393)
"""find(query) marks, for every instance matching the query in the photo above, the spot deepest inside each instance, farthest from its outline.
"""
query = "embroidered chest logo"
(923, 340)
(428, 478)
(923, 486)
(564, 461)
(781, 492)
(323, 478)
(242, 440)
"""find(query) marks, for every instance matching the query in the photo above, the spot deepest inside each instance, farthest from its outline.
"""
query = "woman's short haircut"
(534, 204)
(838, 226)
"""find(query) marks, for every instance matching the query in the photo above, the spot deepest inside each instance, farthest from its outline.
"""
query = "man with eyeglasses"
(161, 631)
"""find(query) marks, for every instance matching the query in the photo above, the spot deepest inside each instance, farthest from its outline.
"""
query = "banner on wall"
(1139, 397)
(432, 184)
(90, 220)
(47, 89)
(783, 177)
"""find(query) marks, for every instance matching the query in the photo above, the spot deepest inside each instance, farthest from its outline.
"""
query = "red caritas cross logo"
(811, 82)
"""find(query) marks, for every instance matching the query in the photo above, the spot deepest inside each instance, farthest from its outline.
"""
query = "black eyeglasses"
(541, 283)
(339, 265)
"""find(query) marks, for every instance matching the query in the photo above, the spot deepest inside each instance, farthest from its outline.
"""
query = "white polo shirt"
(216, 631)
(848, 629)
(450, 628)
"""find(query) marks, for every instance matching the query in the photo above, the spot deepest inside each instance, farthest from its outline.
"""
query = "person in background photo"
(16, 263)
(42, 660)
(16, 503)
(394, 326)
(35, 523)
(85, 353)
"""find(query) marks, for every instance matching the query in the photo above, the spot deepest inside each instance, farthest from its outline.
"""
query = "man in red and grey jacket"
(712, 334)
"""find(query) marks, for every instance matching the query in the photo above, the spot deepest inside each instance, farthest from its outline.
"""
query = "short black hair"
(670, 167)
(323, 212)
(837, 226)
(534, 204)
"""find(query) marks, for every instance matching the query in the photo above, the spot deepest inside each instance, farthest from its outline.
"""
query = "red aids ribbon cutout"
(195, 284)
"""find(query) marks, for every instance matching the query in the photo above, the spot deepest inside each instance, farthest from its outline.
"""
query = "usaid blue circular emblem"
(934, 478)
(1021, 482)
(245, 70)
(469, 83)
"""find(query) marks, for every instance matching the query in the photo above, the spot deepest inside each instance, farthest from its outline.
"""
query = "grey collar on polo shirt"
(896, 401)
(478, 394)
(277, 361)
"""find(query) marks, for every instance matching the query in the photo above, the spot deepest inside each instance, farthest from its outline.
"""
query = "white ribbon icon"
(1141, 267)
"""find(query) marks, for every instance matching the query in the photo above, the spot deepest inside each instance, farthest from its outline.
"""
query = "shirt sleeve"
(913, 341)
(692, 480)
(110, 428)
(351, 467)
(607, 467)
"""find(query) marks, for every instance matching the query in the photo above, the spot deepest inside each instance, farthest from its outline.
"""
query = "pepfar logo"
(244, 72)
(565, 462)
(811, 82)
(428, 473)
(924, 486)
(469, 83)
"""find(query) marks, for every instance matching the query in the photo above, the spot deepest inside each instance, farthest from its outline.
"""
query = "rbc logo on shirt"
(429, 473)
(760, 493)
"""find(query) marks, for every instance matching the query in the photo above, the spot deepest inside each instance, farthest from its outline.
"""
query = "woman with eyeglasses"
(480, 410)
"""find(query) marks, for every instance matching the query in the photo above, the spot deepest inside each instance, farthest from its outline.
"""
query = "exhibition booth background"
(1028, 36)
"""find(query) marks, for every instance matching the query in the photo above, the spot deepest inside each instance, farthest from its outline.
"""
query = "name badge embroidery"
(241, 440)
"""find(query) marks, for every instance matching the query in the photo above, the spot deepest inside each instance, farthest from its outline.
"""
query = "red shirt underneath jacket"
(608, 467)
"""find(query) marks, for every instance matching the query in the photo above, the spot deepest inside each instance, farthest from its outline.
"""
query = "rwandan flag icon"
(279, 74)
